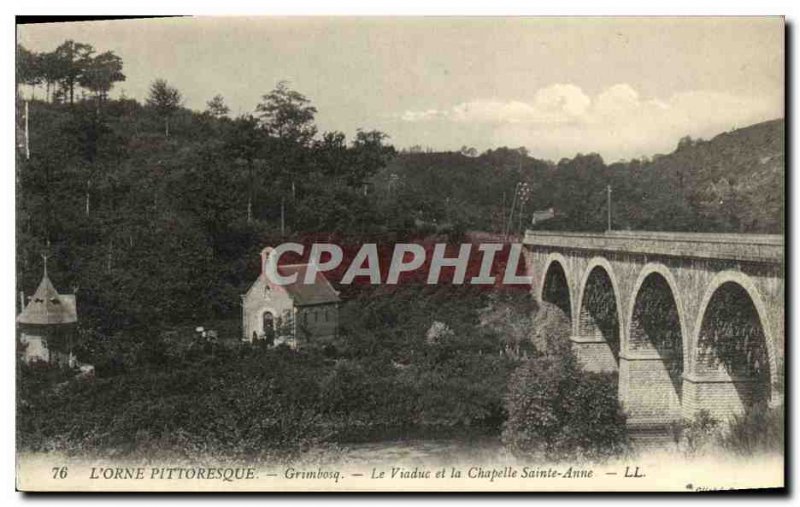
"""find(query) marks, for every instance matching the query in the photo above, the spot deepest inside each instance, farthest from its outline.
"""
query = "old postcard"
(400, 254)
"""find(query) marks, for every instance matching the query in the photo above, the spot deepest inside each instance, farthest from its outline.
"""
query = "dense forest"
(731, 183)
(156, 212)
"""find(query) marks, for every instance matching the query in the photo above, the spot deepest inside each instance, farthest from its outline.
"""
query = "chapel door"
(268, 325)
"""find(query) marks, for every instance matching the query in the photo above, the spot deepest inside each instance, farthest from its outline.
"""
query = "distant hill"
(731, 183)
(451, 187)
(734, 181)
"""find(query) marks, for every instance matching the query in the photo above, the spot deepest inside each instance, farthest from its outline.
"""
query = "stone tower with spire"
(47, 325)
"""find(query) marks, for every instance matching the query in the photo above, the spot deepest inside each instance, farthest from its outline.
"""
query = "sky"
(620, 87)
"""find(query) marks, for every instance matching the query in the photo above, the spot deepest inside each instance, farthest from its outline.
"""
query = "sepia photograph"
(400, 254)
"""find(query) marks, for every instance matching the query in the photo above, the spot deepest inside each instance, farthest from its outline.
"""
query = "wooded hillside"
(157, 212)
(731, 183)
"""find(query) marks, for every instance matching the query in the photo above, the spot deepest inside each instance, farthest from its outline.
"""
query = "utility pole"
(511, 213)
(27, 143)
(283, 219)
(525, 194)
(503, 211)
(608, 205)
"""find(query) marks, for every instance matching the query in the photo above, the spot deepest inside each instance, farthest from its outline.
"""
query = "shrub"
(558, 411)
(461, 390)
(166, 389)
(550, 330)
(757, 431)
(362, 398)
(697, 433)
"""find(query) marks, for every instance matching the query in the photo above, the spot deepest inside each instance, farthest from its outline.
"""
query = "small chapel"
(297, 315)
(47, 325)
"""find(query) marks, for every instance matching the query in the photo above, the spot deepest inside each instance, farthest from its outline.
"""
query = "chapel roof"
(320, 291)
(48, 307)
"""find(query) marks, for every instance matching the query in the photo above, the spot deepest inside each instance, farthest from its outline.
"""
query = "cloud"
(559, 103)
(617, 122)
(414, 116)
(617, 100)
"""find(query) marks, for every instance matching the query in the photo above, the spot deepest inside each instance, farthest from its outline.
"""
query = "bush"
(757, 431)
(362, 399)
(558, 411)
(460, 390)
(245, 400)
(698, 433)
(264, 400)
(166, 389)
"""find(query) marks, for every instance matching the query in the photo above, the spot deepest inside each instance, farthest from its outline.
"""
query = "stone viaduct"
(688, 321)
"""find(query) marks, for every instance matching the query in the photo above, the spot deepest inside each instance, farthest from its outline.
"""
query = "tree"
(468, 151)
(50, 69)
(165, 99)
(88, 129)
(331, 153)
(369, 155)
(685, 142)
(71, 60)
(558, 412)
(287, 115)
(217, 108)
(578, 191)
(243, 143)
(28, 68)
(100, 74)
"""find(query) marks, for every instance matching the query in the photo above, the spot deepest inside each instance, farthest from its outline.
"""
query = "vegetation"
(756, 431)
(70, 65)
(698, 433)
(557, 411)
(165, 100)
(731, 183)
(158, 229)
(232, 398)
(759, 430)
(130, 197)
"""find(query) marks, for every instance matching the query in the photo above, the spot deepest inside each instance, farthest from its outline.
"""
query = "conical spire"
(47, 306)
